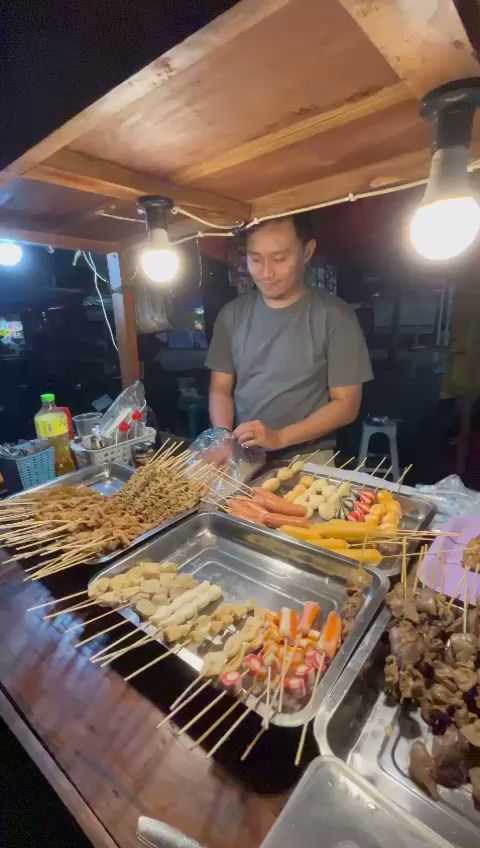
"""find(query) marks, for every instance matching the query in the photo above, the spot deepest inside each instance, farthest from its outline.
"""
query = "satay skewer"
(74, 608)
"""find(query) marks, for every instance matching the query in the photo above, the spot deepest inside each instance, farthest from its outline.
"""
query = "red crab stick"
(309, 615)
(331, 635)
(288, 623)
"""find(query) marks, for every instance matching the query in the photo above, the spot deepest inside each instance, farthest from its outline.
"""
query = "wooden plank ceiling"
(273, 106)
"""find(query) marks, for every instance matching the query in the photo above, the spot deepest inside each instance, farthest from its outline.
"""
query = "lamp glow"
(10, 254)
(159, 264)
(445, 228)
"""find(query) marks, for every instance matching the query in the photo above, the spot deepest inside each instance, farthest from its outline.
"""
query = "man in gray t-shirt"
(287, 361)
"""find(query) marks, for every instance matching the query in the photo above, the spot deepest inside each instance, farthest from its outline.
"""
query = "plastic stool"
(386, 427)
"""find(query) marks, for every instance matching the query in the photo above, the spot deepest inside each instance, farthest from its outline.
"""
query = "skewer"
(186, 691)
(175, 650)
(360, 466)
(372, 473)
(465, 605)
(404, 567)
(421, 556)
(352, 458)
(57, 600)
(73, 608)
(332, 458)
(234, 726)
(101, 633)
(403, 475)
(95, 618)
(458, 588)
(385, 474)
(184, 702)
(200, 715)
(266, 721)
(103, 651)
(303, 734)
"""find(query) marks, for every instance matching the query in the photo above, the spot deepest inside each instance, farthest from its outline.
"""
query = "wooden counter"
(94, 736)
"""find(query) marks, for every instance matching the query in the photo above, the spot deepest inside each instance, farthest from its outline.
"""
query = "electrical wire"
(348, 198)
(180, 210)
(96, 277)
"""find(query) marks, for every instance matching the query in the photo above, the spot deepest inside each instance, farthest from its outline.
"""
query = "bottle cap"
(137, 415)
(123, 427)
(48, 397)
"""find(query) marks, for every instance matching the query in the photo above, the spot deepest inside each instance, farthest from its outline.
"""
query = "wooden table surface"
(95, 739)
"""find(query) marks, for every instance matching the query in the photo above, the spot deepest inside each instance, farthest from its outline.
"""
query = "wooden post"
(123, 298)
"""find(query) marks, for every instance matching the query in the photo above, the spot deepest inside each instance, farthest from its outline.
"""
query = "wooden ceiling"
(273, 106)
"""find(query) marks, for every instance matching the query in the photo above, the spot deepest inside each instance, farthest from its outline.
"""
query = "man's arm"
(342, 409)
(220, 400)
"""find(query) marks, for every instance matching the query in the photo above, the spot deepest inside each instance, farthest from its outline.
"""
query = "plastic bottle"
(51, 422)
(137, 424)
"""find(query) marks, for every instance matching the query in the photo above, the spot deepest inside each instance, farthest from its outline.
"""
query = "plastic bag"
(451, 498)
(218, 447)
(132, 398)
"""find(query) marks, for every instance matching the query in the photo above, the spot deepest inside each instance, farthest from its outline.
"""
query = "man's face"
(276, 259)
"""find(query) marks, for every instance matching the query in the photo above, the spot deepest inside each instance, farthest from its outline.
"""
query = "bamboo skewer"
(184, 703)
(73, 608)
(303, 734)
(186, 691)
(186, 727)
(175, 650)
(104, 652)
(101, 633)
(234, 726)
(57, 600)
(344, 465)
(372, 473)
(403, 475)
(86, 621)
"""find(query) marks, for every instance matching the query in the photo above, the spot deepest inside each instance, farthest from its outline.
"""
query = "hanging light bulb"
(448, 219)
(10, 254)
(159, 259)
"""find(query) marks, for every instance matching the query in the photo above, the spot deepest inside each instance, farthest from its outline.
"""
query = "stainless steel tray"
(417, 513)
(334, 807)
(107, 480)
(356, 724)
(256, 563)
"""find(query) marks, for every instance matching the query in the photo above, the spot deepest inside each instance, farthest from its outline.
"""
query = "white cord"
(201, 234)
(96, 276)
(179, 209)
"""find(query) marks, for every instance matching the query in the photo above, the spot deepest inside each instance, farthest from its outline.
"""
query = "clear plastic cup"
(85, 422)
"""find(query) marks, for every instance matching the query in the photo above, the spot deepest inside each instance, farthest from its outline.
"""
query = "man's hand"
(256, 434)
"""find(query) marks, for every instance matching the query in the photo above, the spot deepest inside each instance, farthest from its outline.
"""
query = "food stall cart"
(274, 107)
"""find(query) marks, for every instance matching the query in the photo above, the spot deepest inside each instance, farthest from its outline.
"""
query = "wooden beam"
(406, 168)
(86, 173)
(54, 239)
(297, 132)
(215, 36)
(123, 301)
(424, 42)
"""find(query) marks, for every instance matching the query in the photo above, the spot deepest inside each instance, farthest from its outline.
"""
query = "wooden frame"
(387, 54)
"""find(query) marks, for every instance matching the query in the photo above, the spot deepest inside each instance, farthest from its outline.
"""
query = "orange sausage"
(274, 519)
(248, 505)
(274, 503)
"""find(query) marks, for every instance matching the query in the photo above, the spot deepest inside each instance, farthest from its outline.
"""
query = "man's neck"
(289, 299)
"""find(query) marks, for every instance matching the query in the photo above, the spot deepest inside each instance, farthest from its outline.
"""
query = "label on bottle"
(51, 424)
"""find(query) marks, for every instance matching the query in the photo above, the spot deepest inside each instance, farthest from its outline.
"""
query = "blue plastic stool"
(385, 427)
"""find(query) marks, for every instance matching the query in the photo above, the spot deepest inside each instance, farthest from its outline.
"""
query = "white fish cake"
(159, 598)
(151, 586)
(145, 608)
(99, 586)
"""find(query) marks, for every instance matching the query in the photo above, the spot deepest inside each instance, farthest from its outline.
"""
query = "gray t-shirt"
(285, 360)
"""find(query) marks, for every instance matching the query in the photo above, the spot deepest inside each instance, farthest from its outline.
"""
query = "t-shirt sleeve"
(219, 356)
(347, 352)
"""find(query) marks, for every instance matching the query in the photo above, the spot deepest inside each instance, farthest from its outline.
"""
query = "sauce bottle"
(51, 422)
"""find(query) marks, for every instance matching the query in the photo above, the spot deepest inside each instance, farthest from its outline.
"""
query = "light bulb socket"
(450, 109)
(448, 175)
(155, 208)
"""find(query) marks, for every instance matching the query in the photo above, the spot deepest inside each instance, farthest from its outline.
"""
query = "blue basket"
(36, 468)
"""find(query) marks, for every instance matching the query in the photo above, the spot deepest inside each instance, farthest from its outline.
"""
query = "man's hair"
(301, 222)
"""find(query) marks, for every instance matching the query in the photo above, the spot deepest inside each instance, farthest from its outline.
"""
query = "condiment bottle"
(51, 422)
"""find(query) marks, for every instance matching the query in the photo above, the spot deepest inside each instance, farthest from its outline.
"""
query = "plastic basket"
(28, 471)
(114, 453)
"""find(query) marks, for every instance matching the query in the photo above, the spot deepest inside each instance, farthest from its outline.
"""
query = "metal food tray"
(107, 480)
(334, 807)
(358, 725)
(417, 513)
(256, 563)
